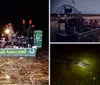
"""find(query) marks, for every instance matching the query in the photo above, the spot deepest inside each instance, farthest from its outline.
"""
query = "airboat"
(20, 45)
(72, 27)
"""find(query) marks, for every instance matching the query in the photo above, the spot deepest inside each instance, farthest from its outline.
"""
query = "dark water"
(66, 74)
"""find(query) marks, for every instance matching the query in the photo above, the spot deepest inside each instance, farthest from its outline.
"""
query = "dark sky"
(15, 10)
(69, 49)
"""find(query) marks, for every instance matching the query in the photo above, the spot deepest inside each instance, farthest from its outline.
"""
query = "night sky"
(63, 73)
(15, 10)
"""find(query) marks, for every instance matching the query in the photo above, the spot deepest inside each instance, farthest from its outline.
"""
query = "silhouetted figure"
(91, 22)
(2, 36)
(3, 41)
(95, 23)
(10, 35)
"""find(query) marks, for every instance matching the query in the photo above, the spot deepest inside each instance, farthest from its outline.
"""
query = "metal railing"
(89, 34)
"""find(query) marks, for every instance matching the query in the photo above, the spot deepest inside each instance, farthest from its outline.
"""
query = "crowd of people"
(93, 23)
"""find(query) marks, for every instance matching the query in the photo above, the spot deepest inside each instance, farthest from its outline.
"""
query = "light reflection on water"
(66, 74)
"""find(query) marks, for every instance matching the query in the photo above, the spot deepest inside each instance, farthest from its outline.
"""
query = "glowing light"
(23, 21)
(7, 31)
(7, 77)
(32, 25)
(94, 78)
(30, 22)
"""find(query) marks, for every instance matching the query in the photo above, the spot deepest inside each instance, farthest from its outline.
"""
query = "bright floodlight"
(7, 31)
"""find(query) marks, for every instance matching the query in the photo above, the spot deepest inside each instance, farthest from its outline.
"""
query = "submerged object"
(80, 63)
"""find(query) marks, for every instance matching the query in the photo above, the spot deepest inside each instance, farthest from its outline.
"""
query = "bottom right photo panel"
(75, 64)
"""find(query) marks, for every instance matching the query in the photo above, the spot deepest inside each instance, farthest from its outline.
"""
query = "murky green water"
(68, 74)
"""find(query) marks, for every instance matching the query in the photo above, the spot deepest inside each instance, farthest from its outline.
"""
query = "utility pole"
(23, 25)
(30, 27)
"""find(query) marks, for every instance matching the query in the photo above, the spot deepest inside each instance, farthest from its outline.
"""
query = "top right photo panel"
(75, 20)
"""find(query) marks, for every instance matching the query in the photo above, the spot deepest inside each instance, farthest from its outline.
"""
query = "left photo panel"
(24, 46)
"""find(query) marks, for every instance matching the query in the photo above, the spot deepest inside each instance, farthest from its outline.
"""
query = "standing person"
(3, 37)
(95, 23)
(91, 22)
(12, 33)
(11, 29)
(3, 41)
(9, 35)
